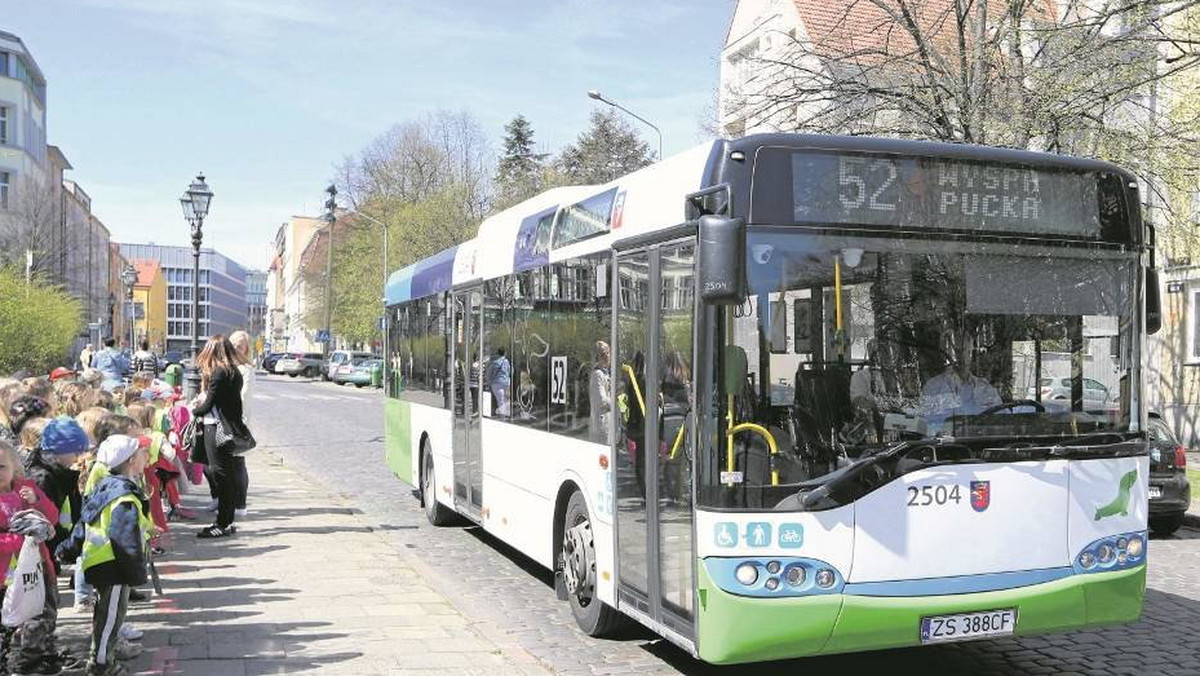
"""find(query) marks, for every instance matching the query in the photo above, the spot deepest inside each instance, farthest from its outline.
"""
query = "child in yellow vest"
(113, 535)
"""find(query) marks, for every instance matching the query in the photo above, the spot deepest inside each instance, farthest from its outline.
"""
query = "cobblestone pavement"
(336, 435)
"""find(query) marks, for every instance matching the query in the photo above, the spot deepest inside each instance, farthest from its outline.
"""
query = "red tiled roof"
(146, 270)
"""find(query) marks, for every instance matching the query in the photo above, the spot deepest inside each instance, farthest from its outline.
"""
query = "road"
(335, 435)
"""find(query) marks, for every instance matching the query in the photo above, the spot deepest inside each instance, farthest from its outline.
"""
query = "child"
(17, 494)
(111, 535)
(144, 415)
(48, 467)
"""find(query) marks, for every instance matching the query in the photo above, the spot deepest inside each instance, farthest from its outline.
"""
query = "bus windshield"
(952, 350)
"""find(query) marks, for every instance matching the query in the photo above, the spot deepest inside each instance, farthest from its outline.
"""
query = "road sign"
(322, 336)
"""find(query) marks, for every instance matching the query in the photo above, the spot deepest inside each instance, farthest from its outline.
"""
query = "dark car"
(169, 357)
(268, 361)
(1170, 492)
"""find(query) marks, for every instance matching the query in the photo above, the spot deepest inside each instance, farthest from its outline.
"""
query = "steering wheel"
(1010, 405)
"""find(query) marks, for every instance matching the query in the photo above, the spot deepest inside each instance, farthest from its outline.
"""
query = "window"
(1193, 353)
(5, 180)
(585, 219)
(4, 124)
(4, 64)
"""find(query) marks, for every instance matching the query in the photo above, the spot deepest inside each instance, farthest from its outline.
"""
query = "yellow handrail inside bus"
(678, 439)
(764, 433)
(637, 391)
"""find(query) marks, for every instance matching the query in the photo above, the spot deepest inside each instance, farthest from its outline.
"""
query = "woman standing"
(220, 403)
(241, 344)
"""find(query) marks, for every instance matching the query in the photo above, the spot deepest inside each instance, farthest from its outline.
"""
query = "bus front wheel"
(436, 512)
(577, 563)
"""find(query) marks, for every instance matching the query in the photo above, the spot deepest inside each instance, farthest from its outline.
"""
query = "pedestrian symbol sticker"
(791, 535)
(758, 534)
(726, 534)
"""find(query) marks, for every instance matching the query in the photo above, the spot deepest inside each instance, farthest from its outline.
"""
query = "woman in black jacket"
(220, 401)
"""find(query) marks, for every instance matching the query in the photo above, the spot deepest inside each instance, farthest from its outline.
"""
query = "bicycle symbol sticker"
(726, 534)
(758, 534)
(791, 535)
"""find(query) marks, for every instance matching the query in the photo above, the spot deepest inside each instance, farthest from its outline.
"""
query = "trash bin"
(174, 375)
(377, 375)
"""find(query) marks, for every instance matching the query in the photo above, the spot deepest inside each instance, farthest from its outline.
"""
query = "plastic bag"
(26, 594)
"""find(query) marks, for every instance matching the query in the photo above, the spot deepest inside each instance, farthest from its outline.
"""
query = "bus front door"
(654, 292)
(467, 360)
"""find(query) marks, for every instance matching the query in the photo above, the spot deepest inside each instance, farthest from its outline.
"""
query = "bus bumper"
(735, 628)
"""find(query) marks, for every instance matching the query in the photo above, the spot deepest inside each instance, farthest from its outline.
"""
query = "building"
(1172, 360)
(23, 149)
(287, 310)
(222, 287)
(256, 302)
(150, 304)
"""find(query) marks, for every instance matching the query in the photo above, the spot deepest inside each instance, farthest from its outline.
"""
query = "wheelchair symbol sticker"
(758, 534)
(791, 535)
(726, 534)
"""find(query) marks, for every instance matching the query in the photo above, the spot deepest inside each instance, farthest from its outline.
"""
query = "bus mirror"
(1153, 302)
(721, 259)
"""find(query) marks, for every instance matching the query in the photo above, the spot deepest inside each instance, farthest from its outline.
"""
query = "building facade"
(150, 304)
(286, 313)
(1172, 359)
(256, 302)
(23, 148)
(222, 285)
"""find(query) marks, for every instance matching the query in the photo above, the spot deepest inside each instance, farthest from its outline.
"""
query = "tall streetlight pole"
(331, 218)
(195, 202)
(129, 276)
(593, 94)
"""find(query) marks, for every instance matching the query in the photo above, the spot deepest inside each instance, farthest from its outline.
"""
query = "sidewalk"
(305, 586)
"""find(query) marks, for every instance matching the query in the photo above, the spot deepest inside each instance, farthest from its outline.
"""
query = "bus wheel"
(577, 561)
(436, 512)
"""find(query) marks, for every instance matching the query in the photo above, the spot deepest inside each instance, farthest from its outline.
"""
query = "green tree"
(38, 323)
(521, 172)
(607, 149)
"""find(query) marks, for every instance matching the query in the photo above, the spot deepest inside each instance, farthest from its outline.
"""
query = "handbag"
(238, 440)
(26, 594)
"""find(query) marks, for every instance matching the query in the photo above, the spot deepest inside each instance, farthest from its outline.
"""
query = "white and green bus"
(780, 396)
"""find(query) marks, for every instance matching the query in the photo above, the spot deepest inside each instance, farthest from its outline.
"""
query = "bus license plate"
(965, 626)
(1155, 492)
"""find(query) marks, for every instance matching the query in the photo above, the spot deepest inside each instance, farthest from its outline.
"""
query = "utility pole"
(330, 217)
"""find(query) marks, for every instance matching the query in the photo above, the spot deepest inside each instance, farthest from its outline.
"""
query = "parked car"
(1056, 393)
(341, 358)
(269, 361)
(356, 372)
(308, 364)
(1170, 492)
(169, 357)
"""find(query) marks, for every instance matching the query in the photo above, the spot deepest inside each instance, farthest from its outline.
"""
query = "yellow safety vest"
(97, 546)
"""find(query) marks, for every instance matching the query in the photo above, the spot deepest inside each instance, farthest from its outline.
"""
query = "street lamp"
(594, 94)
(129, 276)
(195, 202)
(330, 217)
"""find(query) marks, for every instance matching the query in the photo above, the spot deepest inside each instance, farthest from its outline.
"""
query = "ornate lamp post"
(129, 277)
(195, 203)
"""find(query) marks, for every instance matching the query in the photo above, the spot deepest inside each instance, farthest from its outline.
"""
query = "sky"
(266, 96)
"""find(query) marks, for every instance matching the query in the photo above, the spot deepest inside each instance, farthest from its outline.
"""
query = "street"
(334, 435)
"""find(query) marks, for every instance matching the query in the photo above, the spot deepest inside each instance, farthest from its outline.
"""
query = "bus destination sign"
(943, 194)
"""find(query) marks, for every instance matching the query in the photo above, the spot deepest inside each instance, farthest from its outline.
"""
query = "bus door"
(466, 356)
(653, 398)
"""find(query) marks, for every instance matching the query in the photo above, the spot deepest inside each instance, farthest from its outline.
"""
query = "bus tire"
(436, 512)
(577, 549)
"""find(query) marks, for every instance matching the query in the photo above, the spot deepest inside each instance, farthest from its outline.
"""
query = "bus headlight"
(794, 575)
(1087, 559)
(1135, 547)
(825, 578)
(772, 583)
(1105, 553)
(747, 574)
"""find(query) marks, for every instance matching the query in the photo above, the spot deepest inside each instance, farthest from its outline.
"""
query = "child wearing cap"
(48, 466)
(112, 535)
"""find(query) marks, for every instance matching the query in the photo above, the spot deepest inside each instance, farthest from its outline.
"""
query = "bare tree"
(32, 225)
(1084, 77)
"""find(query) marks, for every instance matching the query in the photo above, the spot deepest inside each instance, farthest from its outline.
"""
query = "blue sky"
(265, 96)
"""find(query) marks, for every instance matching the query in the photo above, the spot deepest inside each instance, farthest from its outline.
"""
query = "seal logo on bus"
(981, 495)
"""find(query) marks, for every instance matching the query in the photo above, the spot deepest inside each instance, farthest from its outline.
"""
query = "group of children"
(105, 468)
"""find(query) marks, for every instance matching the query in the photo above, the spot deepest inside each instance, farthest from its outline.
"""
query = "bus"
(781, 396)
